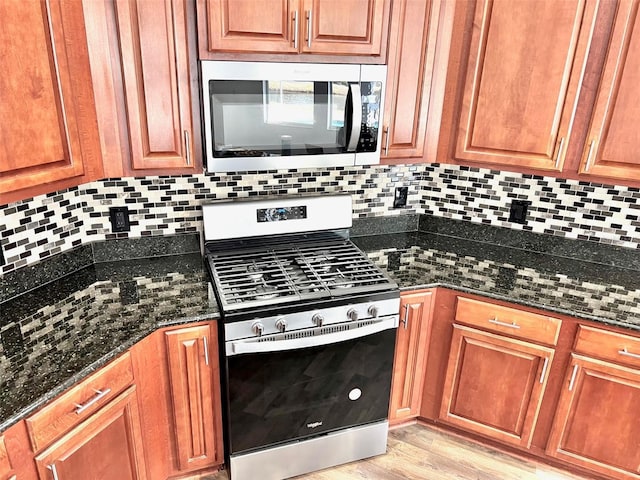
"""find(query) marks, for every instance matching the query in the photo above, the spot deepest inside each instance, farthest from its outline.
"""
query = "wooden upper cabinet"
(494, 385)
(48, 125)
(193, 365)
(410, 356)
(252, 25)
(597, 424)
(523, 74)
(410, 71)
(156, 75)
(613, 139)
(108, 446)
(344, 27)
(324, 27)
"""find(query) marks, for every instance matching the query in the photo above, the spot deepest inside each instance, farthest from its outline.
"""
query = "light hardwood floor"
(417, 452)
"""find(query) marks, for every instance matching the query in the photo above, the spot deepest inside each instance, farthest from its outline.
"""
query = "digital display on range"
(280, 214)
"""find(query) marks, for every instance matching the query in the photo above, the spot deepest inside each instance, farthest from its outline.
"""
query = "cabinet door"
(48, 126)
(613, 140)
(5, 464)
(597, 425)
(193, 364)
(106, 446)
(410, 70)
(494, 385)
(343, 27)
(410, 356)
(155, 67)
(524, 71)
(267, 26)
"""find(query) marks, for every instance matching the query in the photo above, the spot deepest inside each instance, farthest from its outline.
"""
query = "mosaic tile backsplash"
(37, 228)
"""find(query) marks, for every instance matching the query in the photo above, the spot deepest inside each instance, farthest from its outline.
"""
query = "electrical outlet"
(400, 197)
(119, 218)
(518, 211)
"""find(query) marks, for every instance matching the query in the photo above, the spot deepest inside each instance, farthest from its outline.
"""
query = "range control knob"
(317, 319)
(281, 324)
(352, 314)
(257, 328)
(373, 311)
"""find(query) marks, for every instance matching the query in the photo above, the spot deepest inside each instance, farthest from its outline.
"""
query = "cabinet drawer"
(79, 402)
(510, 321)
(611, 346)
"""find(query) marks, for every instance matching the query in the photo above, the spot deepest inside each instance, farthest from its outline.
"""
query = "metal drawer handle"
(573, 376)
(495, 321)
(405, 320)
(625, 353)
(100, 394)
(544, 369)
(54, 471)
(295, 30)
(187, 147)
(206, 350)
(559, 152)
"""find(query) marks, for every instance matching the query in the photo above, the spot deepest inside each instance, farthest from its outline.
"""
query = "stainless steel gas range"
(307, 335)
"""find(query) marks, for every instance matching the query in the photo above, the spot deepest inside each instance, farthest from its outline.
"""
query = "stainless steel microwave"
(266, 116)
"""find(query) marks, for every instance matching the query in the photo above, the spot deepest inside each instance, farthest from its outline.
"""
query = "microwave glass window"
(288, 102)
(252, 118)
(338, 101)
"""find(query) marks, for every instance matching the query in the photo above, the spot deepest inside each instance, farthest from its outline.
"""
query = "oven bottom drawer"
(298, 458)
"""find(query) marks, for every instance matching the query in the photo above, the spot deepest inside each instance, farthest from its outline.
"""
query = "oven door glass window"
(281, 396)
(278, 118)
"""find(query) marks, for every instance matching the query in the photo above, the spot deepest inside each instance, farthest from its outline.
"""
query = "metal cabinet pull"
(100, 394)
(573, 376)
(588, 165)
(386, 141)
(206, 350)
(559, 155)
(626, 353)
(405, 320)
(295, 29)
(495, 321)
(544, 369)
(309, 13)
(187, 147)
(54, 471)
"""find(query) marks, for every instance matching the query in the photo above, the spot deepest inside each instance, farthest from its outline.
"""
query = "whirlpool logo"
(314, 424)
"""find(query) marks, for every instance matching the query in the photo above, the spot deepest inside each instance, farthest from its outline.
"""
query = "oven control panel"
(279, 214)
(322, 317)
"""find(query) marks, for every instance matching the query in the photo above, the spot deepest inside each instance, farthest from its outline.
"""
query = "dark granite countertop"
(53, 336)
(56, 334)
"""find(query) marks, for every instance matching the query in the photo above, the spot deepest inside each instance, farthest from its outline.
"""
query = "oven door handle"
(239, 347)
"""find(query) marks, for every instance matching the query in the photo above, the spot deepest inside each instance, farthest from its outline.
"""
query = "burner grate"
(288, 272)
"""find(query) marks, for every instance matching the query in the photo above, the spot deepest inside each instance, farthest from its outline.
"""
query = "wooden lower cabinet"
(106, 446)
(494, 385)
(6, 469)
(193, 365)
(597, 423)
(410, 356)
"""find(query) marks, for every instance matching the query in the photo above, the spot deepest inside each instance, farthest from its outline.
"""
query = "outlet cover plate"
(518, 211)
(400, 197)
(119, 218)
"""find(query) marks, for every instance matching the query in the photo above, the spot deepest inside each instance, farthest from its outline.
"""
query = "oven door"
(278, 393)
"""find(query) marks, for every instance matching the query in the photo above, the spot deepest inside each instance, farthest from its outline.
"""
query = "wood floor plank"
(418, 452)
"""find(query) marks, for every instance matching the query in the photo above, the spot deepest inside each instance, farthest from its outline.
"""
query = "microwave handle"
(356, 116)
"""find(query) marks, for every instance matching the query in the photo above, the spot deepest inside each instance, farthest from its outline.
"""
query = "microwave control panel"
(371, 98)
